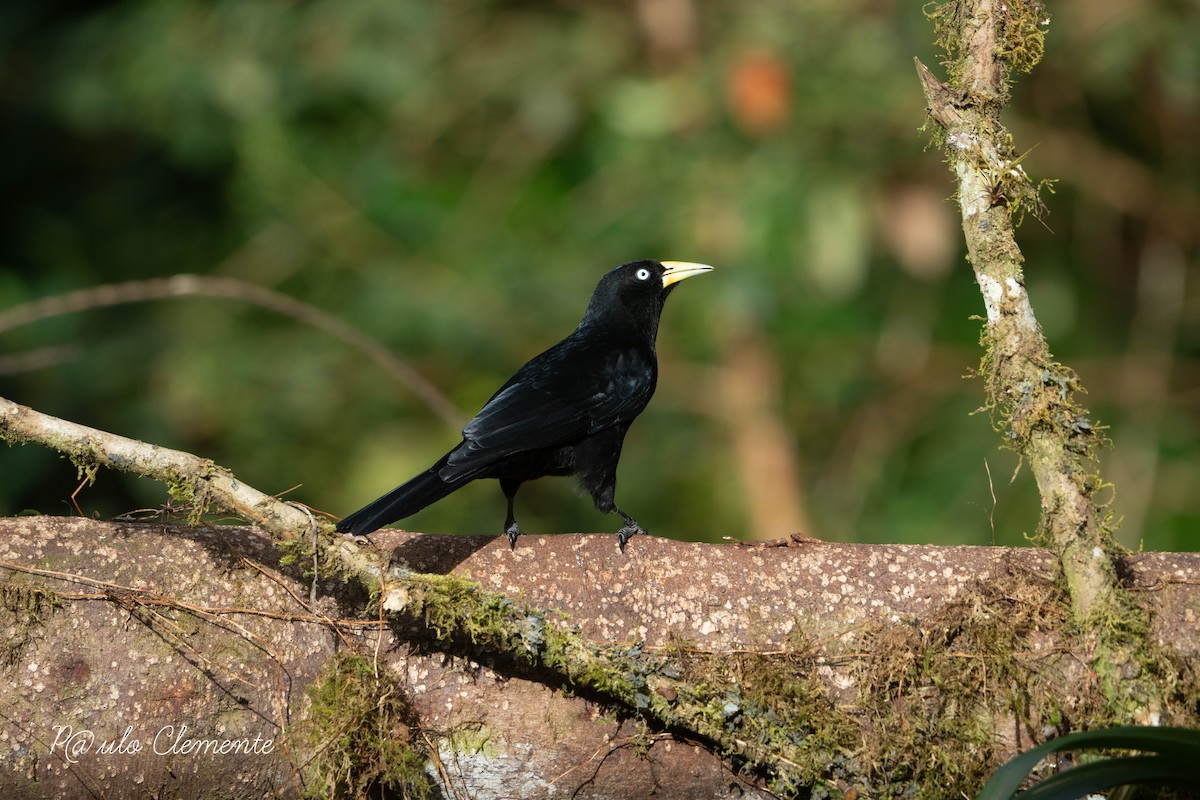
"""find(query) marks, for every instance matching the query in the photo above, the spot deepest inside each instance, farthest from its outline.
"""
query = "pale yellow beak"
(679, 270)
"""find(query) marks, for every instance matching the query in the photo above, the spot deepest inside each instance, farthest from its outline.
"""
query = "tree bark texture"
(902, 660)
(1032, 397)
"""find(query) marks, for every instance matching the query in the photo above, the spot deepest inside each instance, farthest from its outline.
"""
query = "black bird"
(563, 413)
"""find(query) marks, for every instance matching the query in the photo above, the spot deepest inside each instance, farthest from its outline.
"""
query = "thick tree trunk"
(151, 660)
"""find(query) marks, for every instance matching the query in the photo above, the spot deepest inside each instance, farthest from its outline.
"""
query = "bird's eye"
(642, 274)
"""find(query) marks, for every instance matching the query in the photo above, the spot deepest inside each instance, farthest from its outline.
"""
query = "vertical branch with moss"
(1031, 396)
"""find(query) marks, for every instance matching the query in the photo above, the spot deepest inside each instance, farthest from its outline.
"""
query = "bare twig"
(230, 289)
(106, 589)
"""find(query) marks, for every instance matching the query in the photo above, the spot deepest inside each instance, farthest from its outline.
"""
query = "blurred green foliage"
(452, 179)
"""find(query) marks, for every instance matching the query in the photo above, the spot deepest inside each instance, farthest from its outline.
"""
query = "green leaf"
(1099, 775)
(1179, 746)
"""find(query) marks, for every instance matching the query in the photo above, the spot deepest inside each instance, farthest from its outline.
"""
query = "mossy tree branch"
(456, 610)
(1031, 396)
(197, 481)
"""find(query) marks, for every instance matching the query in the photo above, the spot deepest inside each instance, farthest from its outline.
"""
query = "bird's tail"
(403, 501)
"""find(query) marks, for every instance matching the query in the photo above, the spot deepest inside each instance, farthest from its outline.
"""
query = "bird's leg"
(510, 527)
(601, 482)
(630, 530)
(510, 521)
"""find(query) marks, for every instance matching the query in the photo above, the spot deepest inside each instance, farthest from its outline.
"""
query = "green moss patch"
(361, 732)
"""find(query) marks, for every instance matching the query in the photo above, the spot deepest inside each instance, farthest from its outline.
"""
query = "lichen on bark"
(1032, 397)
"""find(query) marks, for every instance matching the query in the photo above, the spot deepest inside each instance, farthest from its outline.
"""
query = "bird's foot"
(513, 532)
(630, 530)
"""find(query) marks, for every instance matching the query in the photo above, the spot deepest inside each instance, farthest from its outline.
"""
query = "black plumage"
(563, 413)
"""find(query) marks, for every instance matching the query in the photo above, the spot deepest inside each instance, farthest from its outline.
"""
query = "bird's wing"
(565, 393)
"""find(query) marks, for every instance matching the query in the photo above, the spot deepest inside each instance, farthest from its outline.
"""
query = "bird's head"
(634, 293)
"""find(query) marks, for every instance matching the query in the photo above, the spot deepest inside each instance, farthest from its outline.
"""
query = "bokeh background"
(450, 179)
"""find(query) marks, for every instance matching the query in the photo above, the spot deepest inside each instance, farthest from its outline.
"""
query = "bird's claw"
(627, 533)
(513, 532)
